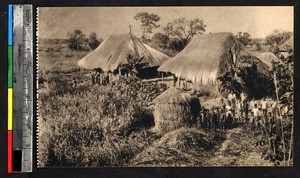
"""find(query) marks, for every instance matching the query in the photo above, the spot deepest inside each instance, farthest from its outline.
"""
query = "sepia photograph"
(180, 86)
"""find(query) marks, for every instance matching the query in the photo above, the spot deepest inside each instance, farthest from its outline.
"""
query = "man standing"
(255, 116)
(229, 115)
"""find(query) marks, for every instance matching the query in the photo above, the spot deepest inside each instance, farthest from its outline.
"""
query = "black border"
(142, 172)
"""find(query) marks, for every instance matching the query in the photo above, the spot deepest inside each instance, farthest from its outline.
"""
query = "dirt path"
(239, 149)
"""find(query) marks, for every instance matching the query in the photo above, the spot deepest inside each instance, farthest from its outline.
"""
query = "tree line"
(176, 35)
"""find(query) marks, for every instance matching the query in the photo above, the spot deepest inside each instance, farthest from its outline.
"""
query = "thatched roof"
(267, 58)
(205, 58)
(114, 50)
(289, 43)
(173, 96)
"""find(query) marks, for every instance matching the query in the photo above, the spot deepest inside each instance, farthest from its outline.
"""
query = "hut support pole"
(162, 77)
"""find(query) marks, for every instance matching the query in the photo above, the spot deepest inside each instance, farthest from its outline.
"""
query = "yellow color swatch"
(10, 108)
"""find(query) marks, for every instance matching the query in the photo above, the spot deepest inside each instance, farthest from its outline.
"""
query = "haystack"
(174, 109)
(207, 57)
(113, 53)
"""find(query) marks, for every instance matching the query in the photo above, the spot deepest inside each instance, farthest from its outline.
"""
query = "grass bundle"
(174, 109)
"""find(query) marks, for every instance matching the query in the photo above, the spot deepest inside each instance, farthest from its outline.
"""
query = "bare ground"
(238, 150)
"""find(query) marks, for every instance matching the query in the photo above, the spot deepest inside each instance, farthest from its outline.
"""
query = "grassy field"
(112, 125)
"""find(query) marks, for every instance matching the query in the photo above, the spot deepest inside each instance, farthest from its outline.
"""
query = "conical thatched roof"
(289, 43)
(114, 50)
(206, 57)
(267, 58)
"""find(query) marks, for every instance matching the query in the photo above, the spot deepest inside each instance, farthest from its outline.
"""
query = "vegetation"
(148, 23)
(78, 41)
(184, 29)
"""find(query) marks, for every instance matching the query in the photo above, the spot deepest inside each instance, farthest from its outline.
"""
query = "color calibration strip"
(10, 91)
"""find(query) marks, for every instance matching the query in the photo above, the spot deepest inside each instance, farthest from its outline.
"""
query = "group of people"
(258, 115)
(100, 78)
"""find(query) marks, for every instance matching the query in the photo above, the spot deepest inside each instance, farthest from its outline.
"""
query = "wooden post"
(282, 131)
(276, 90)
(162, 77)
(119, 71)
(291, 142)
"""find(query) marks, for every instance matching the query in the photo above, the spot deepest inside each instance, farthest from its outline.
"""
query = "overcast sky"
(56, 22)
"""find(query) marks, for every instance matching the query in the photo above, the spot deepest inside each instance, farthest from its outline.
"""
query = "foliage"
(278, 37)
(185, 29)
(148, 23)
(93, 41)
(78, 42)
(244, 38)
(95, 126)
(160, 40)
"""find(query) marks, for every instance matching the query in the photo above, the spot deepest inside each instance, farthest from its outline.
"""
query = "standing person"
(255, 116)
(243, 97)
(216, 118)
(264, 107)
(222, 118)
(230, 96)
(223, 105)
(202, 118)
(237, 112)
(246, 110)
(93, 78)
(97, 78)
(174, 80)
(206, 118)
(74, 83)
(229, 115)
(251, 104)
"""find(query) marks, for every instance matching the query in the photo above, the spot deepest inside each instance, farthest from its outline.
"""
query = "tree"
(244, 38)
(76, 40)
(160, 40)
(93, 41)
(185, 29)
(278, 37)
(148, 23)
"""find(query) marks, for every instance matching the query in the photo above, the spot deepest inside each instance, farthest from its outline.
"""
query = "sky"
(56, 22)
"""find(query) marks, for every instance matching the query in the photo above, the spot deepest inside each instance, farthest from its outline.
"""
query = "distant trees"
(278, 37)
(79, 42)
(184, 29)
(76, 40)
(148, 23)
(244, 38)
(93, 41)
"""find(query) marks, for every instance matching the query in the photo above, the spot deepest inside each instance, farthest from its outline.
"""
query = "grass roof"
(206, 57)
(114, 50)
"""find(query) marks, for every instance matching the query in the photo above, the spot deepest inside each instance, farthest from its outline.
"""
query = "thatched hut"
(113, 53)
(208, 57)
(267, 58)
(174, 109)
(288, 45)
